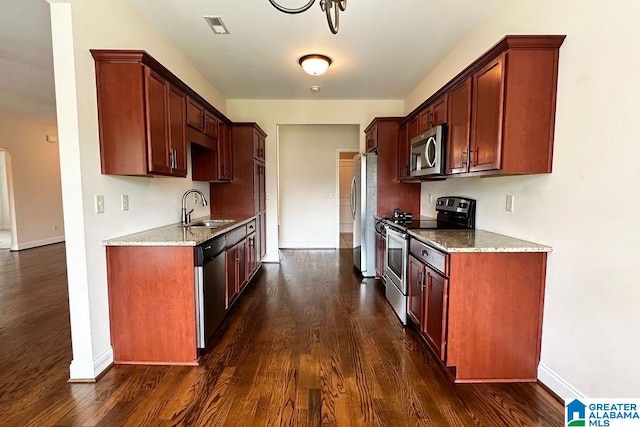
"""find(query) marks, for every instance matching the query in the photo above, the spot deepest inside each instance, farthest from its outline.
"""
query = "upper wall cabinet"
(500, 110)
(141, 117)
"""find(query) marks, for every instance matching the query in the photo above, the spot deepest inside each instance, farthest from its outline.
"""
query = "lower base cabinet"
(479, 312)
(152, 301)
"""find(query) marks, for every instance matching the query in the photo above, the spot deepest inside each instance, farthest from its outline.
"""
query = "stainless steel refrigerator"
(364, 199)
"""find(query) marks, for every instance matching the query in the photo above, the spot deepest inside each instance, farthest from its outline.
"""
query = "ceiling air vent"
(216, 24)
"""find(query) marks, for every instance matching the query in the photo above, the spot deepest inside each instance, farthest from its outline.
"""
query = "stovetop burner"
(452, 213)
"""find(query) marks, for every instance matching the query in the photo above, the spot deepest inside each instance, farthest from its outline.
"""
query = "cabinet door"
(252, 254)
(262, 236)
(210, 125)
(177, 139)
(241, 265)
(232, 274)
(259, 189)
(404, 149)
(439, 111)
(372, 138)
(423, 121)
(459, 123)
(258, 146)
(195, 115)
(224, 153)
(157, 138)
(487, 115)
(413, 129)
(416, 291)
(436, 302)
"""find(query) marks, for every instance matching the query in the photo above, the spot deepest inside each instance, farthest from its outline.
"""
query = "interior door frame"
(337, 191)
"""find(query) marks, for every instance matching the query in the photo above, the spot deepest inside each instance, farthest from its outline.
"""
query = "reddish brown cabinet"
(459, 124)
(371, 138)
(435, 312)
(210, 125)
(500, 110)
(141, 116)
(246, 194)
(480, 312)
(487, 116)
(195, 114)
(391, 193)
(404, 152)
(225, 153)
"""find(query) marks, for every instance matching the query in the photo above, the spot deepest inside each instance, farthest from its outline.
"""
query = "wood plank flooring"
(308, 344)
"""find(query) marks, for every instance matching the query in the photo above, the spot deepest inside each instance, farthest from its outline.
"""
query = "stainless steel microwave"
(428, 152)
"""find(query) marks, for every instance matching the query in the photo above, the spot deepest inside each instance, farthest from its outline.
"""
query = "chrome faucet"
(186, 216)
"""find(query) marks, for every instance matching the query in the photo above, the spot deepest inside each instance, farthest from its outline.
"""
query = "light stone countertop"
(177, 235)
(475, 241)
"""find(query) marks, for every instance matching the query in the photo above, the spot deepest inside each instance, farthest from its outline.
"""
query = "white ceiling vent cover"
(216, 24)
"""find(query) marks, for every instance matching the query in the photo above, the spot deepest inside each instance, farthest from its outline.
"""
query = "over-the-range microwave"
(428, 152)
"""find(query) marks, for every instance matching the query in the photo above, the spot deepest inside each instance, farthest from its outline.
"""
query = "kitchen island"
(156, 295)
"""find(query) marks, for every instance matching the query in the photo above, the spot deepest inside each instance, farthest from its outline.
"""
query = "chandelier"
(325, 5)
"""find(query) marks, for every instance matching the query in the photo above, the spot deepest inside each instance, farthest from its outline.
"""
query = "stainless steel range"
(452, 213)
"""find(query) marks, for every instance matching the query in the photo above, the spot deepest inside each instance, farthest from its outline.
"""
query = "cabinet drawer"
(251, 227)
(235, 236)
(430, 256)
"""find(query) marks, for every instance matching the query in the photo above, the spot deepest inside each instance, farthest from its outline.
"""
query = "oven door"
(396, 256)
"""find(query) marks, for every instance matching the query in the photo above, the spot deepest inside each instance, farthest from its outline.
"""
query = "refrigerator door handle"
(353, 198)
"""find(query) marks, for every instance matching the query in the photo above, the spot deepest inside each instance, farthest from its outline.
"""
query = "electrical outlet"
(268, 195)
(125, 202)
(510, 203)
(99, 203)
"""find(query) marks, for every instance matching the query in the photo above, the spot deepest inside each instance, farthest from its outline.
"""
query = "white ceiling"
(382, 51)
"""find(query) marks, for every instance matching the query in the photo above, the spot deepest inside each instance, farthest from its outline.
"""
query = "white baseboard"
(308, 245)
(557, 384)
(36, 243)
(103, 361)
(89, 370)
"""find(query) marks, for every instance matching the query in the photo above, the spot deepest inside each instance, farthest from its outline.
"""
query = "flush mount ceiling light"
(325, 5)
(315, 64)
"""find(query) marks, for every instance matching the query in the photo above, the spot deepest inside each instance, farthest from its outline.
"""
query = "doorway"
(308, 183)
(345, 177)
(6, 197)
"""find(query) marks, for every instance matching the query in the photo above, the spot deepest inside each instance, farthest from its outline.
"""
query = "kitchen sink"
(209, 223)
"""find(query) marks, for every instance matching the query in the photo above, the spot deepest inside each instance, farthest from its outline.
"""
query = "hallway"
(307, 344)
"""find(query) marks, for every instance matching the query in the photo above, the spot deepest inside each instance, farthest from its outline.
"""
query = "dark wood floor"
(308, 344)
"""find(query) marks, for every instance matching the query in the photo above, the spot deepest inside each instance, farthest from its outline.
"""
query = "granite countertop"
(177, 235)
(475, 241)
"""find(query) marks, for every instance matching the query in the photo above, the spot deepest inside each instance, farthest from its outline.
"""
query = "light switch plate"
(125, 202)
(99, 203)
(510, 202)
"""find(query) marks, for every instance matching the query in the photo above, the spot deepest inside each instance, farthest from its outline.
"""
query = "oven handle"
(396, 233)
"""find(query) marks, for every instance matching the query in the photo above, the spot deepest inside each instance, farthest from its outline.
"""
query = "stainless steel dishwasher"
(210, 287)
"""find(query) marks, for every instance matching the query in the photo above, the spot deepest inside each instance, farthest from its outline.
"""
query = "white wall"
(271, 113)
(587, 209)
(77, 27)
(307, 175)
(35, 170)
